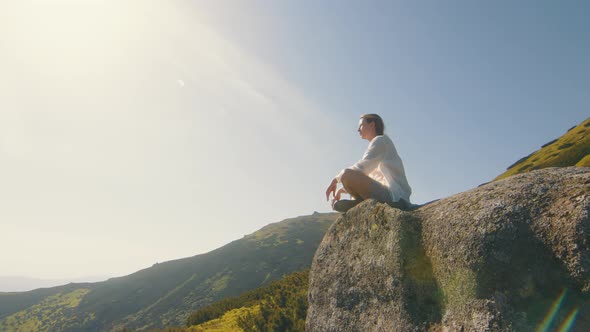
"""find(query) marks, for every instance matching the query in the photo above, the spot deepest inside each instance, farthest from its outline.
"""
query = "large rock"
(490, 259)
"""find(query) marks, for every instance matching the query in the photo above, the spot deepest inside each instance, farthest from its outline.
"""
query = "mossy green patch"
(459, 288)
(571, 149)
(585, 162)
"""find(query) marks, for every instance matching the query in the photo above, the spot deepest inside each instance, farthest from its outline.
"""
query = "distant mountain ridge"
(166, 293)
(24, 284)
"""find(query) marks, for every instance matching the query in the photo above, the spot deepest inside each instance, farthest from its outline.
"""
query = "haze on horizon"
(134, 132)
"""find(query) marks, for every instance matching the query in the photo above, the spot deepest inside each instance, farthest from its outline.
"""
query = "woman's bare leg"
(358, 185)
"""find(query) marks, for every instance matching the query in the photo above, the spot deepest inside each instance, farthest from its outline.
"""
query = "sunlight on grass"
(571, 149)
(227, 322)
(585, 162)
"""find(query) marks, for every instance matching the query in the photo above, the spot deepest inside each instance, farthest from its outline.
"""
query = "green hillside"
(279, 306)
(11, 303)
(571, 149)
(166, 293)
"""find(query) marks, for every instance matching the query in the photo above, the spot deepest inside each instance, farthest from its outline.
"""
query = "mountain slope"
(166, 293)
(571, 149)
(279, 306)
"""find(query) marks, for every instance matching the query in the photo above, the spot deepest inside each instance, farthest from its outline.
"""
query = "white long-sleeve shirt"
(382, 163)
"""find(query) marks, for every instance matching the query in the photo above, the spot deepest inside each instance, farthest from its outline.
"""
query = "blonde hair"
(375, 118)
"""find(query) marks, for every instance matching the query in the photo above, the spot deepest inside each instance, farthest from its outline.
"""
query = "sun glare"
(69, 35)
(80, 44)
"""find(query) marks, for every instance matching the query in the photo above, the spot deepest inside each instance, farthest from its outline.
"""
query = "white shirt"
(382, 163)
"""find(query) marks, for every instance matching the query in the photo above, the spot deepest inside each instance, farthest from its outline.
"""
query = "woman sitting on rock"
(379, 174)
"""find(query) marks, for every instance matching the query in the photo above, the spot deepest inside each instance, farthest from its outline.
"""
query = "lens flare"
(569, 321)
(544, 326)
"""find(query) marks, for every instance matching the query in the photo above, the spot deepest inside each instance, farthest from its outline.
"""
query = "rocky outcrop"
(490, 259)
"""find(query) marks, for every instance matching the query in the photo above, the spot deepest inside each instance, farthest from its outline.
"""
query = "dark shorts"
(379, 192)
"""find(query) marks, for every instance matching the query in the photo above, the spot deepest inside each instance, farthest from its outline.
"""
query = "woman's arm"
(371, 159)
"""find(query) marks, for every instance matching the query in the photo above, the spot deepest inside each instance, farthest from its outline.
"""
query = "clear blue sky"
(466, 87)
(140, 131)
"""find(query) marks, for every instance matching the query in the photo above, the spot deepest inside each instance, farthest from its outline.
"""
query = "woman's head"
(375, 121)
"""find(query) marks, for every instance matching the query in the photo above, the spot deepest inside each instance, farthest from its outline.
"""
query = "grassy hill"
(166, 293)
(571, 149)
(278, 306)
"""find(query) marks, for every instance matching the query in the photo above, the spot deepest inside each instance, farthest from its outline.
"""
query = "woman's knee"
(347, 176)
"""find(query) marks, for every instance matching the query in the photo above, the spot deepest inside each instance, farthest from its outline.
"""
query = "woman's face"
(366, 129)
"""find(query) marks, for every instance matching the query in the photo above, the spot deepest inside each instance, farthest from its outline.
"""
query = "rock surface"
(490, 259)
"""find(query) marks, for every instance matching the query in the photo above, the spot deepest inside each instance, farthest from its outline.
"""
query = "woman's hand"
(331, 189)
(339, 193)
